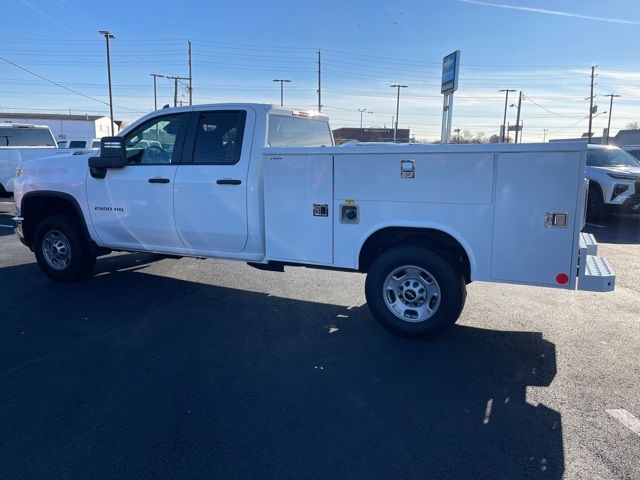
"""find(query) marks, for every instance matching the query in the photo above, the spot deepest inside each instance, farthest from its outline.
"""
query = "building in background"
(341, 135)
(66, 127)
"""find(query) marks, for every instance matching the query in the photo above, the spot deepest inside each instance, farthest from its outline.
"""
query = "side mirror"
(112, 154)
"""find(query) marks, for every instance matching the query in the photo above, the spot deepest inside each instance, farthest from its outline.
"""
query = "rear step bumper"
(594, 272)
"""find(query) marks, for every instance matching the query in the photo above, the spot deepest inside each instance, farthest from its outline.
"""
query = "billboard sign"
(450, 68)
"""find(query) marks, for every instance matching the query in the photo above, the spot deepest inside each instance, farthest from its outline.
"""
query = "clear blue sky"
(542, 47)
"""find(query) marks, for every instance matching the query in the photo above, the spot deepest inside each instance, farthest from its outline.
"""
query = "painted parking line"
(6, 226)
(626, 419)
(596, 225)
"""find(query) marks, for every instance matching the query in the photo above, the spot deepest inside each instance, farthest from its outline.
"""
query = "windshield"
(26, 137)
(610, 157)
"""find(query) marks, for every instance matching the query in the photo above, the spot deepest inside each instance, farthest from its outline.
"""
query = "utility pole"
(190, 77)
(108, 36)
(175, 88)
(593, 75)
(544, 134)
(611, 95)
(395, 130)
(504, 119)
(155, 96)
(518, 116)
(282, 82)
(319, 83)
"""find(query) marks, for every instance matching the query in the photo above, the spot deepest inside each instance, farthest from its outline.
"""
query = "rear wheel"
(62, 251)
(414, 291)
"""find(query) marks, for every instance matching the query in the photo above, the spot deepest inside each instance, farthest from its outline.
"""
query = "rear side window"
(287, 131)
(219, 137)
(26, 137)
(77, 144)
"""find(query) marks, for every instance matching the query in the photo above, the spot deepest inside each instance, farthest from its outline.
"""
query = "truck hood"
(631, 171)
(56, 162)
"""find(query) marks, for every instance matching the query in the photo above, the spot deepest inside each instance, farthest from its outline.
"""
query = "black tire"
(595, 205)
(452, 291)
(81, 258)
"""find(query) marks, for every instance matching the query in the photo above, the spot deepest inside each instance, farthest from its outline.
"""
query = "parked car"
(614, 182)
(20, 142)
(265, 185)
(79, 143)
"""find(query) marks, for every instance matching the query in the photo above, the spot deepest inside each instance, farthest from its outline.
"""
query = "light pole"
(611, 95)
(155, 97)
(395, 129)
(544, 134)
(362, 110)
(282, 82)
(504, 120)
(108, 36)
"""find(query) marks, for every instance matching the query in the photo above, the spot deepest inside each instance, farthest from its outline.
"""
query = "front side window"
(219, 137)
(153, 142)
(77, 144)
(285, 131)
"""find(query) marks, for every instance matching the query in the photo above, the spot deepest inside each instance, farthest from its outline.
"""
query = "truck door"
(210, 199)
(133, 206)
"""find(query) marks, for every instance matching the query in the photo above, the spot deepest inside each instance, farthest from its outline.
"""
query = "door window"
(153, 142)
(219, 137)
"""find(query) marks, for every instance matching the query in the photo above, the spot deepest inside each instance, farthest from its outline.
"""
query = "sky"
(543, 47)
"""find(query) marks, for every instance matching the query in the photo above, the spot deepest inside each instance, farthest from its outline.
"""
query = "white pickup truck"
(265, 185)
(21, 141)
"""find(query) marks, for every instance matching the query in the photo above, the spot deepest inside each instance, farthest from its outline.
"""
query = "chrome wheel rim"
(411, 293)
(56, 249)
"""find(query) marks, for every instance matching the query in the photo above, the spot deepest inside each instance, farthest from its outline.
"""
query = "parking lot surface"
(162, 368)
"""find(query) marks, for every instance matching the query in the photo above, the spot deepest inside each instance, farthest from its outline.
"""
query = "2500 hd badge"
(109, 209)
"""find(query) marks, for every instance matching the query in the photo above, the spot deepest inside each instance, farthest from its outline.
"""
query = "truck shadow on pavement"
(134, 375)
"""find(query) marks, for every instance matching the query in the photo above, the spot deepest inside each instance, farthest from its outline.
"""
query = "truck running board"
(594, 274)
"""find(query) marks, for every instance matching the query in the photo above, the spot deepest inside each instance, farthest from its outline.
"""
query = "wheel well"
(438, 240)
(36, 207)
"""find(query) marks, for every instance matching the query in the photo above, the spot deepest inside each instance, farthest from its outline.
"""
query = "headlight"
(624, 176)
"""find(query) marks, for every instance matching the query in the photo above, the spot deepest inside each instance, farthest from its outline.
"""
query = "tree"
(633, 126)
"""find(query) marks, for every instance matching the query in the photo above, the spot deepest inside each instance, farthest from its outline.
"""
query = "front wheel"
(414, 291)
(61, 249)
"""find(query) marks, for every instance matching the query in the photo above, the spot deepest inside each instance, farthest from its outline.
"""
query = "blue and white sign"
(450, 67)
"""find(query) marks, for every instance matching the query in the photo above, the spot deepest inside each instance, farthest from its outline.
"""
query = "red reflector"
(562, 278)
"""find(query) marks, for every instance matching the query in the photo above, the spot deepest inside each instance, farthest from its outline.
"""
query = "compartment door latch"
(556, 219)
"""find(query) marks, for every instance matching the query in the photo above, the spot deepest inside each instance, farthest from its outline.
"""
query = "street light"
(282, 82)
(155, 98)
(108, 36)
(395, 130)
(362, 110)
(504, 120)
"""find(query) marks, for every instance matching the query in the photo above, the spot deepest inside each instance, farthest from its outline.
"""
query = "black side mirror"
(112, 155)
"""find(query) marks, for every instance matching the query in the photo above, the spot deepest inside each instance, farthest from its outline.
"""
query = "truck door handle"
(158, 180)
(228, 181)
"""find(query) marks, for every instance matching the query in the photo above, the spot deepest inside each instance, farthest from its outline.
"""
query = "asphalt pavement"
(161, 368)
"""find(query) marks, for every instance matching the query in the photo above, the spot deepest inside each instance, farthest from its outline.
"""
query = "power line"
(63, 86)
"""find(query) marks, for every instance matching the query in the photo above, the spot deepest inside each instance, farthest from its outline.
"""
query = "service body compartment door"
(298, 208)
(537, 205)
